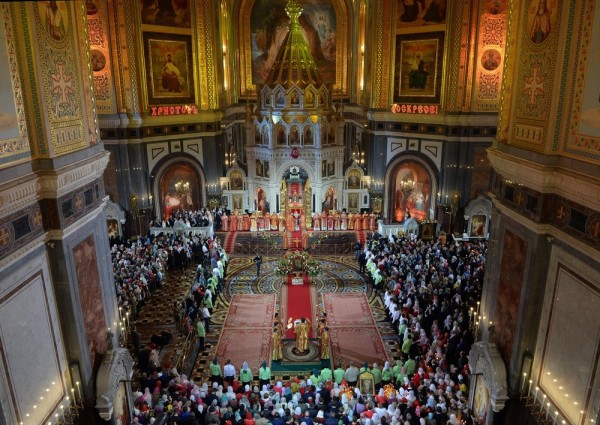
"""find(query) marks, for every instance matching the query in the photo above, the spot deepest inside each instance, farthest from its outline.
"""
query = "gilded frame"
(340, 87)
(428, 48)
(180, 48)
(366, 383)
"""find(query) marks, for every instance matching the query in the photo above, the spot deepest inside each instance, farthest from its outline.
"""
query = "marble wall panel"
(512, 269)
(30, 348)
(568, 342)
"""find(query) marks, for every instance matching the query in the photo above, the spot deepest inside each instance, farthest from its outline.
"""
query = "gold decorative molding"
(580, 135)
(17, 196)
(55, 183)
(15, 149)
(579, 188)
(509, 69)
(535, 79)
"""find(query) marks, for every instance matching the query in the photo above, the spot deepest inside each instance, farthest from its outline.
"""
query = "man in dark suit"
(258, 261)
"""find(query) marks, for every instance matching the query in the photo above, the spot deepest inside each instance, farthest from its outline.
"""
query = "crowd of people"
(198, 218)
(427, 288)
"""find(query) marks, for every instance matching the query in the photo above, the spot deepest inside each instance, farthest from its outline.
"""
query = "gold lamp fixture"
(407, 184)
(182, 187)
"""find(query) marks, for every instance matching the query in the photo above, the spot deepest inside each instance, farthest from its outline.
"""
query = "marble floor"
(340, 275)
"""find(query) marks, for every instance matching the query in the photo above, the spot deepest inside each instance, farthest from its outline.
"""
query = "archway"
(178, 185)
(411, 185)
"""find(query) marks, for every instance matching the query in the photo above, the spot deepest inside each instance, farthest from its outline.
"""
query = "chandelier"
(182, 187)
(407, 184)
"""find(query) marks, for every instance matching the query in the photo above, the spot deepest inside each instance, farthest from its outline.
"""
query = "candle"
(524, 379)
(62, 411)
(74, 396)
(529, 388)
(57, 421)
(543, 401)
(547, 410)
(79, 392)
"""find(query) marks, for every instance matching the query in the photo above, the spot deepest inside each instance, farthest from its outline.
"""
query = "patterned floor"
(340, 275)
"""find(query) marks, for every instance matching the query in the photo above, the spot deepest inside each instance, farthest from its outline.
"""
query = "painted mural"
(541, 19)
(590, 116)
(169, 68)
(9, 126)
(179, 189)
(88, 282)
(412, 13)
(269, 28)
(170, 13)
(481, 401)
(262, 202)
(419, 62)
(411, 192)
(55, 16)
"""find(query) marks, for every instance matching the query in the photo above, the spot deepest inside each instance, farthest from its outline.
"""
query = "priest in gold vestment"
(301, 330)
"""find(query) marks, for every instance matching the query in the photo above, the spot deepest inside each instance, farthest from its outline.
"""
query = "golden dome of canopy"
(294, 65)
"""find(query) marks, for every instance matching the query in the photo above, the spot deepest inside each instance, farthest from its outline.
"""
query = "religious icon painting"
(418, 70)
(353, 202)
(412, 13)
(169, 68)
(166, 13)
(55, 17)
(490, 59)
(235, 179)
(354, 179)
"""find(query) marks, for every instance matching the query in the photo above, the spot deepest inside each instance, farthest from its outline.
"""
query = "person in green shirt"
(401, 375)
(201, 331)
(208, 303)
(365, 368)
(264, 374)
(410, 366)
(314, 378)
(406, 344)
(246, 374)
(338, 374)
(326, 375)
(216, 374)
(396, 370)
(376, 375)
(386, 374)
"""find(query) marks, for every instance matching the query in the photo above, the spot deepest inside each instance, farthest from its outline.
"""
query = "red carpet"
(353, 330)
(299, 303)
(361, 236)
(247, 330)
(229, 243)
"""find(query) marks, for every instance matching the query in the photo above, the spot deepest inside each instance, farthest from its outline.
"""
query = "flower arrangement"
(283, 267)
(313, 267)
(295, 255)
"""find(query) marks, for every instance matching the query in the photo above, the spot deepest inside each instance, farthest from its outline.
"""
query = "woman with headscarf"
(264, 374)
(386, 374)
(246, 374)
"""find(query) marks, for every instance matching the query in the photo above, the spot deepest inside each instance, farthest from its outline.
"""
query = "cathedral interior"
(481, 117)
